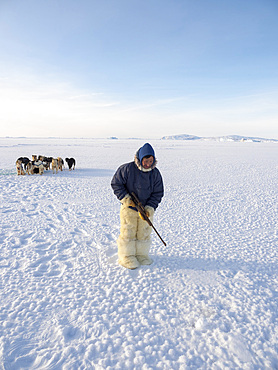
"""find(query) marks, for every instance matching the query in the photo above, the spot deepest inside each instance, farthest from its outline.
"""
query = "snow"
(209, 300)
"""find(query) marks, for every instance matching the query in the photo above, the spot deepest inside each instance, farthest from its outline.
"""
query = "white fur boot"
(142, 252)
(126, 253)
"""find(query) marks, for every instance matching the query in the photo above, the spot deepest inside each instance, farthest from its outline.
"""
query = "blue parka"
(132, 177)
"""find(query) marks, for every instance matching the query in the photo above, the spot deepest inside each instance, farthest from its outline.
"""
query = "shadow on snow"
(78, 173)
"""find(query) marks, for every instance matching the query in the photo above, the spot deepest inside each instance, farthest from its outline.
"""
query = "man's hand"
(127, 201)
(146, 213)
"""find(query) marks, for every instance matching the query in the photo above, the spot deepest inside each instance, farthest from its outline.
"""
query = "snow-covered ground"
(210, 299)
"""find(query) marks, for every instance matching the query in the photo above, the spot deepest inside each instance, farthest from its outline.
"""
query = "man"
(143, 178)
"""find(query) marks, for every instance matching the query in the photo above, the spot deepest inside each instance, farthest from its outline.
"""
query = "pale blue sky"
(138, 68)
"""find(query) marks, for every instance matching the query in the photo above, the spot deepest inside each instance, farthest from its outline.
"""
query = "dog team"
(40, 163)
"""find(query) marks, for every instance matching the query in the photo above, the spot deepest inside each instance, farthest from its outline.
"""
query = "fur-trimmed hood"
(142, 152)
(132, 177)
(139, 165)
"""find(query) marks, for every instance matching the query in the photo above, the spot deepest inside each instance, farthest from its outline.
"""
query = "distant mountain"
(235, 138)
(181, 137)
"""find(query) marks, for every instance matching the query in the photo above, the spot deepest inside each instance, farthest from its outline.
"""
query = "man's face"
(147, 162)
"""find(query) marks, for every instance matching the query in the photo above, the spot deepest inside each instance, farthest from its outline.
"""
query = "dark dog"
(24, 160)
(70, 162)
(47, 162)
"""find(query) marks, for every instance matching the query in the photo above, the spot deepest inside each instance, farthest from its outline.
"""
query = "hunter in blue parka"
(143, 178)
(132, 177)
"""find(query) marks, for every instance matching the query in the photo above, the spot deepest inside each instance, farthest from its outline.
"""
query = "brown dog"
(19, 167)
(60, 163)
(55, 165)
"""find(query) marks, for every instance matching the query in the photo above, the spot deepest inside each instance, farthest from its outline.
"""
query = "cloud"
(33, 106)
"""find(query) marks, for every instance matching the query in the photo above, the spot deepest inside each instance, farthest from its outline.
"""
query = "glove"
(149, 210)
(127, 201)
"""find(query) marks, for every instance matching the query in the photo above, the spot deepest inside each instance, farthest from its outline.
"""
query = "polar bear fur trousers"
(134, 241)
